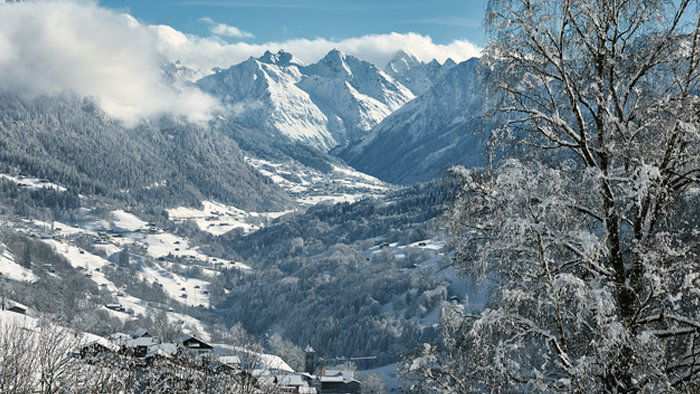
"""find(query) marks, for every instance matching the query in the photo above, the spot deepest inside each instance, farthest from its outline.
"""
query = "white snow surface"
(10, 269)
(174, 283)
(216, 218)
(127, 221)
(164, 244)
(92, 264)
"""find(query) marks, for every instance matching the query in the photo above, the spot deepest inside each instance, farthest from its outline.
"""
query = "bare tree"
(292, 354)
(588, 235)
(17, 359)
(56, 366)
(164, 329)
(372, 383)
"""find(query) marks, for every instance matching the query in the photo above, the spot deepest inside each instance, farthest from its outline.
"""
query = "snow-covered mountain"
(322, 105)
(177, 73)
(440, 128)
(416, 75)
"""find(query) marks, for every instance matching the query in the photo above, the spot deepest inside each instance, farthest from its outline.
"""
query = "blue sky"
(281, 20)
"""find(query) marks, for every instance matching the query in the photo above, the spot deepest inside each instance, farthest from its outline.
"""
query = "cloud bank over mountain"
(58, 47)
(77, 47)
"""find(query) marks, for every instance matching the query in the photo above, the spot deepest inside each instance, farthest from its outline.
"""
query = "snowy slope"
(10, 269)
(32, 183)
(127, 221)
(309, 187)
(422, 139)
(321, 105)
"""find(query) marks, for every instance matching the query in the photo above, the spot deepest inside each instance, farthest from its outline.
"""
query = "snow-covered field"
(91, 264)
(32, 183)
(166, 244)
(186, 291)
(158, 245)
(216, 218)
(127, 221)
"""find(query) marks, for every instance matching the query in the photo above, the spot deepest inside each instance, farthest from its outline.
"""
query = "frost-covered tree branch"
(590, 232)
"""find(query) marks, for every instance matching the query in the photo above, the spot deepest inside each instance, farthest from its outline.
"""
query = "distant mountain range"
(322, 105)
(404, 124)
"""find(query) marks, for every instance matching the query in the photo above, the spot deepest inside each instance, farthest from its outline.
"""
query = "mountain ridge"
(324, 104)
(420, 141)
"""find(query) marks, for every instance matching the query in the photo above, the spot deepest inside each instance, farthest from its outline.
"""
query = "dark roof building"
(17, 309)
(139, 346)
(141, 332)
(191, 343)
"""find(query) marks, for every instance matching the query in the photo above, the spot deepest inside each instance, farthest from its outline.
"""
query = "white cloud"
(62, 46)
(222, 29)
(206, 53)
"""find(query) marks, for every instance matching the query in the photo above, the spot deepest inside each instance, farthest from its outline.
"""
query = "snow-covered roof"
(162, 349)
(230, 360)
(138, 342)
(104, 343)
(141, 332)
(292, 380)
(337, 376)
(193, 342)
(267, 362)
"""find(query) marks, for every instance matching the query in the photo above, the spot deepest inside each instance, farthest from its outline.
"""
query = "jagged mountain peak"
(449, 62)
(402, 61)
(334, 64)
(438, 129)
(434, 63)
(416, 75)
(335, 53)
(337, 63)
(281, 58)
(323, 104)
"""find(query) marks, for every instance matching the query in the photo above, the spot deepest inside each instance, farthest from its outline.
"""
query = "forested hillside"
(72, 143)
(351, 279)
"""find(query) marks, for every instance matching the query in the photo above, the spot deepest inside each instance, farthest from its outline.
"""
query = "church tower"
(309, 359)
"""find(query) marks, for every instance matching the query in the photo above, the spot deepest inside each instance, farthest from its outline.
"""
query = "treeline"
(24, 201)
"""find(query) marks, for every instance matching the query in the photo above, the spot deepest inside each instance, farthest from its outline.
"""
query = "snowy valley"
(349, 197)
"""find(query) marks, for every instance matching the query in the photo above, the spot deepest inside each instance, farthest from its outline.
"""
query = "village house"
(328, 381)
(295, 383)
(193, 344)
(339, 382)
(262, 370)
